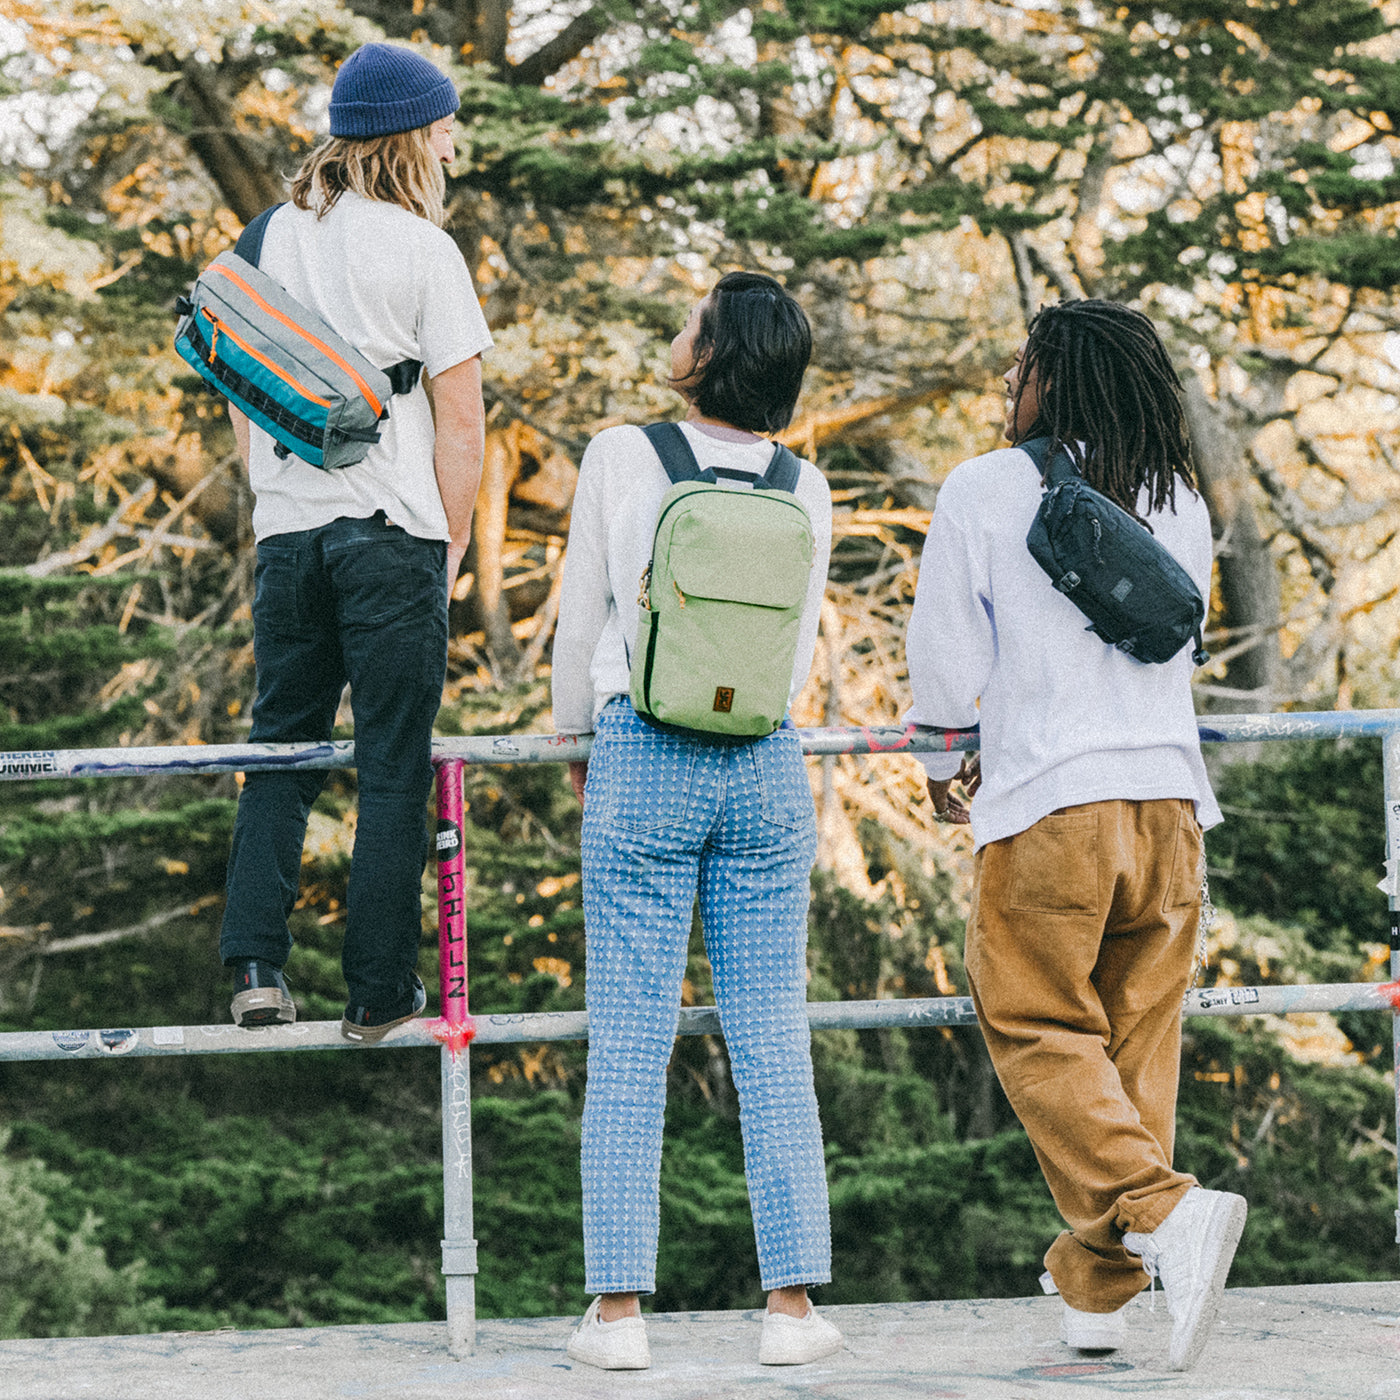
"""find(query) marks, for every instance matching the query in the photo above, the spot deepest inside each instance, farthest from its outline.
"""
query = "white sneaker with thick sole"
(1086, 1331)
(610, 1346)
(1191, 1251)
(793, 1341)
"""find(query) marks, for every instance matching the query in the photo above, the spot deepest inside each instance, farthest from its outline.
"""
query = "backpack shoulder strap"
(1057, 470)
(784, 468)
(250, 241)
(675, 453)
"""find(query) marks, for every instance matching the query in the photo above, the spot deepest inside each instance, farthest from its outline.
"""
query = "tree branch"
(99, 536)
(1025, 274)
(566, 46)
(96, 940)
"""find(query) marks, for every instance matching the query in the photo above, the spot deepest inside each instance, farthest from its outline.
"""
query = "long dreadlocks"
(1105, 381)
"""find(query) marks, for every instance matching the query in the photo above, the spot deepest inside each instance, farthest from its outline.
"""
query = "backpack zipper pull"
(679, 594)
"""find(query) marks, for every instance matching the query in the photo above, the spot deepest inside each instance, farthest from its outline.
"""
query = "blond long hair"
(399, 169)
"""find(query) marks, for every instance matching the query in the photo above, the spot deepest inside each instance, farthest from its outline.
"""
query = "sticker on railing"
(71, 1042)
(28, 765)
(1388, 885)
(116, 1042)
(449, 839)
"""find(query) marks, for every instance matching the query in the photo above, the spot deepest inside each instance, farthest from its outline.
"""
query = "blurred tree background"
(923, 177)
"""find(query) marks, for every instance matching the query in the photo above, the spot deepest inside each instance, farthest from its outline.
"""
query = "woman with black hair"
(667, 816)
(1087, 821)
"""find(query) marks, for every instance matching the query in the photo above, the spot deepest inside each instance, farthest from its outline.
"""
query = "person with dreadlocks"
(1090, 802)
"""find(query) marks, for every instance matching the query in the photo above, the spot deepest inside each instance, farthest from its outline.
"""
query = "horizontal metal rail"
(538, 1027)
(565, 748)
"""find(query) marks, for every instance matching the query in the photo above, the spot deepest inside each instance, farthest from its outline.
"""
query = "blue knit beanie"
(381, 89)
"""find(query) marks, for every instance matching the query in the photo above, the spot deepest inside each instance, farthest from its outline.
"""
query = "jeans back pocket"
(641, 784)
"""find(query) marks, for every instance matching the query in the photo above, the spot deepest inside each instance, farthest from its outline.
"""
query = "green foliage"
(299, 1224)
(1352, 258)
(55, 1280)
(79, 833)
(1310, 1146)
(529, 1205)
(1303, 841)
(949, 1220)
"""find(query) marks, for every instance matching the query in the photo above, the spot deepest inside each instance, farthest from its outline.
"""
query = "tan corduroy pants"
(1080, 948)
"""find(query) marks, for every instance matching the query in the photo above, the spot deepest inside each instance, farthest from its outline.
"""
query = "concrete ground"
(1323, 1341)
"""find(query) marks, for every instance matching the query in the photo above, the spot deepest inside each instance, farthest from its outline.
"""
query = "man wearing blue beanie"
(355, 564)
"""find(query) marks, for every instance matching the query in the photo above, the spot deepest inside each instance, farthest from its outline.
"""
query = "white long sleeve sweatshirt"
(1065, 718)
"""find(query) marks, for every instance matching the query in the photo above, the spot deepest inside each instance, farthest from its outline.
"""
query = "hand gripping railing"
(456, 1028)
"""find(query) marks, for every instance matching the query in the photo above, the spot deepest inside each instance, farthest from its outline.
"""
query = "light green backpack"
(721, 601)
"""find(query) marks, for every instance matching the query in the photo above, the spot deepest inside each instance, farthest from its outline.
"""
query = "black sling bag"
(1134, 593)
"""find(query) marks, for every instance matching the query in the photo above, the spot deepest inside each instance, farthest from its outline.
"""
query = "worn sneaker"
(260, 995)
(1086, 1331)
(610, 1346)
(369, 1023)
(1190, 1251)
(793, 1341)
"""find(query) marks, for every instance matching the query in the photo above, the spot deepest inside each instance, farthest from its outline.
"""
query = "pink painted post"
(455, 1028)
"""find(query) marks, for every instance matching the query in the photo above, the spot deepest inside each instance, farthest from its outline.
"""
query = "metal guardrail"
(533, 1028)
(457, 1028)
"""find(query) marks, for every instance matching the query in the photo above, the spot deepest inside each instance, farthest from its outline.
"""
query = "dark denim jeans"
(363, 601)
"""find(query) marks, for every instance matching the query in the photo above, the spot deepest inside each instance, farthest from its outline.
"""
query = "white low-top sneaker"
(1086, 1331)
(1190, 1251)
(792, 1341)
(610, 1346)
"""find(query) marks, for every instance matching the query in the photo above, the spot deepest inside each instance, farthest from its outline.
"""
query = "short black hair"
(751, 351)
(1105, 380)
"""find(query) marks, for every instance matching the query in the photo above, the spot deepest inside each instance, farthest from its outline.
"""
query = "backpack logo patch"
(724, 699)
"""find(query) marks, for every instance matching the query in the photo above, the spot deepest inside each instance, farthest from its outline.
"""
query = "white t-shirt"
(396, 287)
(1065, 718)
(611, 529)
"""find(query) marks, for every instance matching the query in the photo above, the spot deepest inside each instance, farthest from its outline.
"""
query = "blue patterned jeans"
(666, 816)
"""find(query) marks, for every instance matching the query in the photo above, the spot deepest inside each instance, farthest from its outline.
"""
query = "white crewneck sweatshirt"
(620, 486)
(1065, 718)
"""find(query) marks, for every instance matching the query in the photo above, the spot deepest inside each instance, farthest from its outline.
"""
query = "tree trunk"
(234, 162)
(483, 26)
(1248, 576)
(486, 601)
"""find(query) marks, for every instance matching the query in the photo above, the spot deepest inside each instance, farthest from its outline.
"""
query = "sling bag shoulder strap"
(402, 376)
(1057, 470)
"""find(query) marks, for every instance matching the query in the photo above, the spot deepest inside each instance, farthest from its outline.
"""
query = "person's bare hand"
(578, 777)
(970, 774)
(946, 807)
